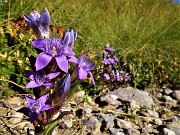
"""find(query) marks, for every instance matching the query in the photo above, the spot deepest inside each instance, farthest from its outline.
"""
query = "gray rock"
(87, 110)
(119, 110)
(110, 99)
(174, 126)
(167, 131)
(147, 129)
(151, 113)
(176, 118)
(68, 123)
(142, 98)
(93, 124)
(159, 95)
(108, 122)
(168, 91)
(158, 121)
(115, 131)
(132, 131)
(176, 94)
(123, 123)
(3, 110)
(167, 98)
(17, 117)
(14, 101)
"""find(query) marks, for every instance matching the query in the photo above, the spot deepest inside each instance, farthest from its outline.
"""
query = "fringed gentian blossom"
(83, 68)
(39, 78)
(39, 23)
(110, 72)
(50, 78)
(54, 48)
(35, 107)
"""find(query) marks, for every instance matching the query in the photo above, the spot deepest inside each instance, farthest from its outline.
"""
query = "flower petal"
(72, 59)
(33, 116)
(82, 59)
(30, 101)
(28, 20)
(62, 63)
(43, 99)
(45, 107)
(39, 43)
(34, 16)
(42, 60)
(44, 23)
(45, 18)
(82, 73)
(68, 50)
(52, 75)
(32, 84)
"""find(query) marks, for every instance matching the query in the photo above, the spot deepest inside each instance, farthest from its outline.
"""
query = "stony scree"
(141, 98)
(124, 111)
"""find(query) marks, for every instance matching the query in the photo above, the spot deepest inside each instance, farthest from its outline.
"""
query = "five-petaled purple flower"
(35, 107)
(83, 68)
(55, 48)
(39, 78)
(39, 23)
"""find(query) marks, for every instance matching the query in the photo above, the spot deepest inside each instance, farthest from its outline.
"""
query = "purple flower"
(39, 23)
(39, 78)
(121, 72)
(105, 61)
(35, 107)
(54, 48)
(107, 77)
(116, 59)
(83, 68)
(109, 61)
(108, 48)
(127, 77)
(118, 76)
(69, 38)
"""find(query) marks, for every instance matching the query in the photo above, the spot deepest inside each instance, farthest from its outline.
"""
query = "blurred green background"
(144, 33)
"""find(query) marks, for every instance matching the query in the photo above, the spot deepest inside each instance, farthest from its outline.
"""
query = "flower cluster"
(51, 76)
(110, 72)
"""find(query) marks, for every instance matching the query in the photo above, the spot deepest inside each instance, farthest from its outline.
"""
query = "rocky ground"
(125, 111)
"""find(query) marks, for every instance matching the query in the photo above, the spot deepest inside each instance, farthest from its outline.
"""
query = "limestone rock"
(142, 98)
(167, 131)
(176, 94)
(17, 117)
(174, 126)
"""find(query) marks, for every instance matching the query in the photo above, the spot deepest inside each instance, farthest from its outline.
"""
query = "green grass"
(145, 33)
